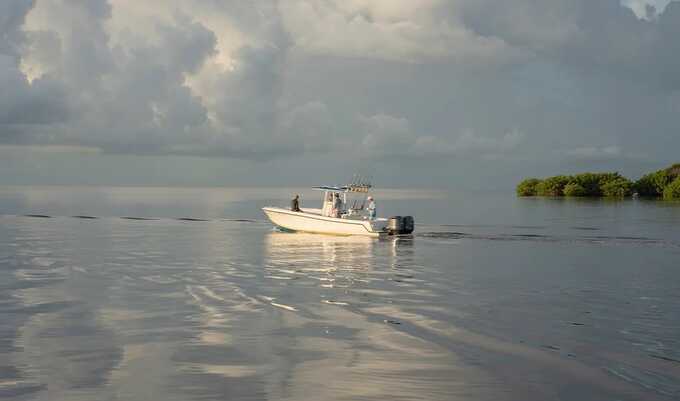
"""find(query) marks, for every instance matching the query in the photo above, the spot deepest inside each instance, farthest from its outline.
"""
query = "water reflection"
(178, 310)
(338, 262)
(346, 292)
(65, 347)
(292, 253)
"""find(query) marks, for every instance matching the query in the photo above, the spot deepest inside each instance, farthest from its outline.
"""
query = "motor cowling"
(398, 225)
(408, 225)
(395, 225)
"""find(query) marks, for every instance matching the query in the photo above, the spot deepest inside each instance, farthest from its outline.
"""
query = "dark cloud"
(448, 82)
(599, 38)
(12, 17)
(23, 102)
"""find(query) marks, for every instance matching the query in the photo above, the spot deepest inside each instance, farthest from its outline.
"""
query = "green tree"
(574, 189)
(589, 182)
(619, 188)
(645, 186)
(592, 183)
(611, 184)
(674, 170)
(553, 186)
(654, 184)
(672, 190)
(528, 187)
(661, 179)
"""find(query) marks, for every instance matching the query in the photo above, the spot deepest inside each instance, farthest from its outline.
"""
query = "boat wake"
(587, 239)
(588, 233)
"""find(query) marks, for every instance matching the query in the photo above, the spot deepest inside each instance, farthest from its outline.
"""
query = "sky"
(415, 93)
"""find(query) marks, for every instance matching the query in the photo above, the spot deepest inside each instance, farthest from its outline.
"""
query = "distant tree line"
(663, 183)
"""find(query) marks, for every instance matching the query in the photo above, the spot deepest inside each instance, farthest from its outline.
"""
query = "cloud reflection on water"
(230, 310)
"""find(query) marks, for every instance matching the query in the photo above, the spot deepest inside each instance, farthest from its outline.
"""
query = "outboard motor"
(395, 225)
(398, 225)
(408, 225)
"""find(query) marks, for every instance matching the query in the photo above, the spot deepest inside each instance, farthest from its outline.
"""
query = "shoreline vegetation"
(663, 183)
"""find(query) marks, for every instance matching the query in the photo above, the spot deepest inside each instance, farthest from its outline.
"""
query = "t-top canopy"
(346, 188)
(330, 189)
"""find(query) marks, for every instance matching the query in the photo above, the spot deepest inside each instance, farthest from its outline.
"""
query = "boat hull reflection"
(306, 249)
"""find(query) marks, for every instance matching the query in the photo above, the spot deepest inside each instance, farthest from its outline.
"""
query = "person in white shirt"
(371, 208)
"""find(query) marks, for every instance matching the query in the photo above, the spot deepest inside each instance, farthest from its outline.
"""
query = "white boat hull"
(315, 223)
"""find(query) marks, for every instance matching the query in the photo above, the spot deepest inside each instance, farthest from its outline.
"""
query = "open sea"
(190, 294)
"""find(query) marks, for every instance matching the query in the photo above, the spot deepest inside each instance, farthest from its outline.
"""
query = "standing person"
(331, 207)
(295, 204)
(328, 205)
(335, 211)
(371, 208)
(338, 204)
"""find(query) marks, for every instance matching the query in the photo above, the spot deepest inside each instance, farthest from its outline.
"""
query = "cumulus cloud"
(311, 127)
(129, 98)
(587, 37)
(23, 102)
(427, 79)
(594, 152)
(386, 135)
(411, 31)
(646, 9)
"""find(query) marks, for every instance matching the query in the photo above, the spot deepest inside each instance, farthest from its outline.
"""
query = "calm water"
(494, 298)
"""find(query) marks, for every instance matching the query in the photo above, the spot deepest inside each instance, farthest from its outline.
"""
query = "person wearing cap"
(295, 204)
(371, 208)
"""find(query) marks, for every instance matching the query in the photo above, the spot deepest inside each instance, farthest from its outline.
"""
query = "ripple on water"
(234, 311)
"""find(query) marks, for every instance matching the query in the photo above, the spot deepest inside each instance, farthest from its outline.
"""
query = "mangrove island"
(663, 183)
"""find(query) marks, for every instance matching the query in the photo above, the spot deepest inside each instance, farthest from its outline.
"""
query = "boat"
(347, 220)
